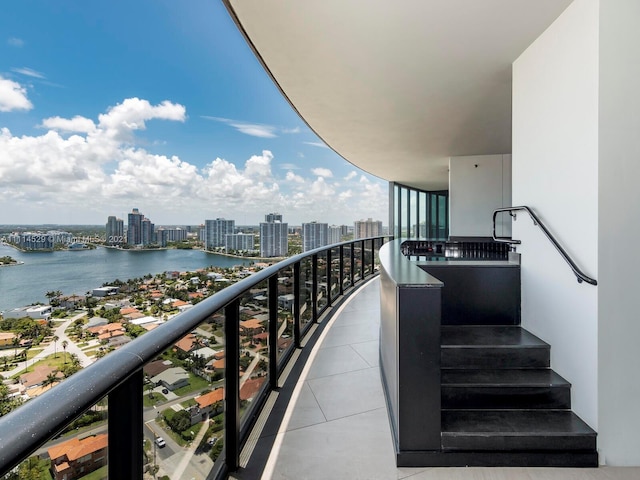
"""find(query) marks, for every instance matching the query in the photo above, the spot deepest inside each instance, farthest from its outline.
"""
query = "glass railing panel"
(334, 277)
(368, 258)
(347, 251)
(306, 299)
(357, 268)
(322, 283)
(183, 404)
(286, 301)
(89, 432)
(254, 347)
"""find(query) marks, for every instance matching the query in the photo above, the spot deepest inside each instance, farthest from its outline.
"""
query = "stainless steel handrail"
(580, 275)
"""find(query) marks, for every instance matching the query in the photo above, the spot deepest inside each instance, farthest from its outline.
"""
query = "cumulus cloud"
(13, 96)
(322, 172)
(75, 124)
(29, 72)
(97, 167)
(15, 42)
(352, 174)
(292, 177)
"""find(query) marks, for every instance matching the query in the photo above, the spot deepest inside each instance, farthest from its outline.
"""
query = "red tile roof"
(75, 448)
(210, 398)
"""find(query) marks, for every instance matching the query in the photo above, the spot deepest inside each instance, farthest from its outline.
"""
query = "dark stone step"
(504, 389)
(515, 430)
(492, 347)
(497, 459)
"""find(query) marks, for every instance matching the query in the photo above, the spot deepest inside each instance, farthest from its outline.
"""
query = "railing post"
(314, 288)
(232, 380)
(328, 276)
(362, 257)
(296, 305)
(341, 279)
(125, 428)
(352, 277)
(273, 332)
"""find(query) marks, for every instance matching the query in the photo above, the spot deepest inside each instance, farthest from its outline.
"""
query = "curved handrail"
(580, 275)
(34, 423)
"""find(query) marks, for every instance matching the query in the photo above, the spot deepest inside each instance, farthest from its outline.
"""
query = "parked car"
(160, 442)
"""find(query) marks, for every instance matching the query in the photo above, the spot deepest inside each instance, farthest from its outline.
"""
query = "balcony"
(308, 398)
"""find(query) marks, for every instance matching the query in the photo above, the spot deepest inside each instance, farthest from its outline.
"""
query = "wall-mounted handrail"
(30, 426)
(580, 275)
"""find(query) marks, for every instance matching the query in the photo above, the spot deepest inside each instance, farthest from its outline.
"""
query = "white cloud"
(291, 130)
(289, 166)
(29, 72)
(96, 168)
(352, 174)
(75, 124)
(15, 42)
(316, 144)
(13, 96)
(253, 129)
(322, 172)
(292, 177)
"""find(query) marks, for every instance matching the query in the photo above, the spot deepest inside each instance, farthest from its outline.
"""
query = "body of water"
(77, 272)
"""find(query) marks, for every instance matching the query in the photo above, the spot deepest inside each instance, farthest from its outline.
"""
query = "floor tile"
(336, 360)
(348, 393)
(307, 410)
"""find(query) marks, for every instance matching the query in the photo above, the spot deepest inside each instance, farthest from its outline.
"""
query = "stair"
(503, 405)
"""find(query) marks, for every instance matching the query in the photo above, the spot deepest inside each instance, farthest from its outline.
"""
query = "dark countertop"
(402, 270)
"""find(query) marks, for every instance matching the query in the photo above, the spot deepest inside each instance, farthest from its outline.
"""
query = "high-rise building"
(314, 235)
(274, 241)
(367, 228)
(115, 231)
(139, 229)
(215, 231)
(239, 241)
(273, 217)
(335, 234)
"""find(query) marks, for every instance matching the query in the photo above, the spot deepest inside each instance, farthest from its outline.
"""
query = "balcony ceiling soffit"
(398, 87)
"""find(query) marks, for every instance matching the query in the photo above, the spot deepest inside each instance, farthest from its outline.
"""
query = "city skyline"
(162, 121)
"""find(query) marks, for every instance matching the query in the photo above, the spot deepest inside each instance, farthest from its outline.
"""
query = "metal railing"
(319, 278)
(580, 275)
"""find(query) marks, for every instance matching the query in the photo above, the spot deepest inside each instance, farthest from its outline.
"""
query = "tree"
(7, 402)
(51, 379)
(64, 347)
(180, 421)
(55, 349)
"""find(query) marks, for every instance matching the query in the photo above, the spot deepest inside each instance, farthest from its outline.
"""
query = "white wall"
(478, 185)
(555, 171)
(619, 206)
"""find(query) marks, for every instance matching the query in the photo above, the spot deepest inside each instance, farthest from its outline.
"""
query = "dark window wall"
(419, 214)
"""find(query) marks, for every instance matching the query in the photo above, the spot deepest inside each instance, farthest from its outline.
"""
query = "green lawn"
(99, 474)
(196, 384)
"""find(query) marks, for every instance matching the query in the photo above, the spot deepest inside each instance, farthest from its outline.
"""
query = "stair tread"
(543, 377)
(489, 336)
(513, 423)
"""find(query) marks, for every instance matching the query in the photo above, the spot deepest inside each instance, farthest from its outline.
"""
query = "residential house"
(76, 458)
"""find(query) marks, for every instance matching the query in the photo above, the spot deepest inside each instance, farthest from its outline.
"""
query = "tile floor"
(336, 426)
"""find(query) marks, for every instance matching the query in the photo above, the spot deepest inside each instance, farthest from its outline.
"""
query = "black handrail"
(580, 275)
(30, 426)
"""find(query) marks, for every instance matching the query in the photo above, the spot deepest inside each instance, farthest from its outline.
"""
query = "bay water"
(80, 271)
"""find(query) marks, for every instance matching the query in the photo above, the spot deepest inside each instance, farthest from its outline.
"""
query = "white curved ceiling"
(397, 87)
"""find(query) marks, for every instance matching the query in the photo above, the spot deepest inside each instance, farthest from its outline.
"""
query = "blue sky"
(159, 105)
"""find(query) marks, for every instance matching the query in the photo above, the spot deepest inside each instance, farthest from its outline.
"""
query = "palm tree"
(64, 346)
(55, 350)
(51, 379)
